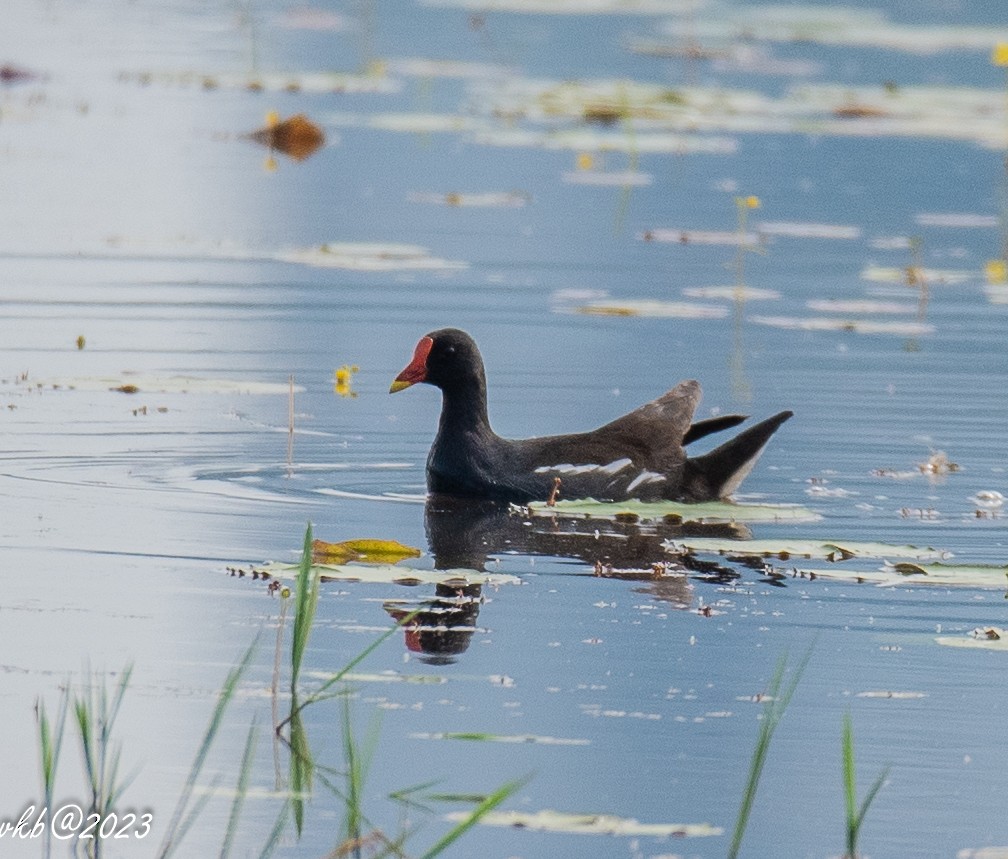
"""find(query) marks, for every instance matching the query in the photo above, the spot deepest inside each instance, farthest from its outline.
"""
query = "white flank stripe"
(645, 477)
(567, 468)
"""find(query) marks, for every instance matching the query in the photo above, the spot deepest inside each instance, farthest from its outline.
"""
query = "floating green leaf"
(708, 511)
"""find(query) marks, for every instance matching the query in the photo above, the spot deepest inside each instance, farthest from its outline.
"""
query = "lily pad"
(368, 256)
(389, 574)
(787, 549)
(732, 293)
(906, 573)
(606, 179)
(888, 274)
(862, 305)
(857, 326)
(659, 309)
(708, 511)
(548, 820)
(799, 230)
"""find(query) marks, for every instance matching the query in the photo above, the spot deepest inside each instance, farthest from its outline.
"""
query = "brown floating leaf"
(297, 137)
(11, 74)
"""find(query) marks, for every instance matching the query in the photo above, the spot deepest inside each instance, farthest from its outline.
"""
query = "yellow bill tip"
(398, 385)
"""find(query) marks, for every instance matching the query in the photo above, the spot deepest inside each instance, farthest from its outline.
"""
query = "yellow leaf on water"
(996, 271)
(375, 551)
(343, 385)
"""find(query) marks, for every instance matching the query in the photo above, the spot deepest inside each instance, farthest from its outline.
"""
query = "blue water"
(139, 217)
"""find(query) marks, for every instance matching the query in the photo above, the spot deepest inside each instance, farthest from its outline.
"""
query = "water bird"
(639, 455)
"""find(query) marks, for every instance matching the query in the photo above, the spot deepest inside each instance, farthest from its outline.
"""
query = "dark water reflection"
(467, 534)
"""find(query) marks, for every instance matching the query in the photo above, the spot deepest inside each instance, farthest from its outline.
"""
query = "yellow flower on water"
(272, 119)
(344, 380)
(752, 202)
(999, 56)
(996, 271)
(270, 164)
(585, 161)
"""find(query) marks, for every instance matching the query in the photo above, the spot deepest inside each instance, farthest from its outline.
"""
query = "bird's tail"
(718, 474)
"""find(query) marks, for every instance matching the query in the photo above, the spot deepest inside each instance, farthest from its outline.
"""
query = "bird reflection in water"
(465, 534)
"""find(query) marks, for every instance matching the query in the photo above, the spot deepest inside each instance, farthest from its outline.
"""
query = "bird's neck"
(464, 412)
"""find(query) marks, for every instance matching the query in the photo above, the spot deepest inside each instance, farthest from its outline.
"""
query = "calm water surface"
(136, 215)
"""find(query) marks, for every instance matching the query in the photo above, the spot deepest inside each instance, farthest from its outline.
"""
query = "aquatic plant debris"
(297, 136)
(591, 824)
(983, 638)
(708, 511)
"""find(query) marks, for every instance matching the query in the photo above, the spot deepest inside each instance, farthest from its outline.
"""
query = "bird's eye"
(451, 350)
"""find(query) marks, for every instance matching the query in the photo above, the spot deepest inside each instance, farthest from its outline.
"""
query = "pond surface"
(573, 189)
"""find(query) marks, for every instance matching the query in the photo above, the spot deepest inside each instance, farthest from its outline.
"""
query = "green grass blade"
(173, 834)
(354, 779)
(855, 813)
(320, 694)
(241, 789)
(302, 769)
(306, 602)
(849, 784)
(870, 796)
(85, 723)
(273, 839)
(51, 742)
(484, 808)
(773, 711)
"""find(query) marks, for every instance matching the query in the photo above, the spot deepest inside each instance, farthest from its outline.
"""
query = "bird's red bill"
(416, 370)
